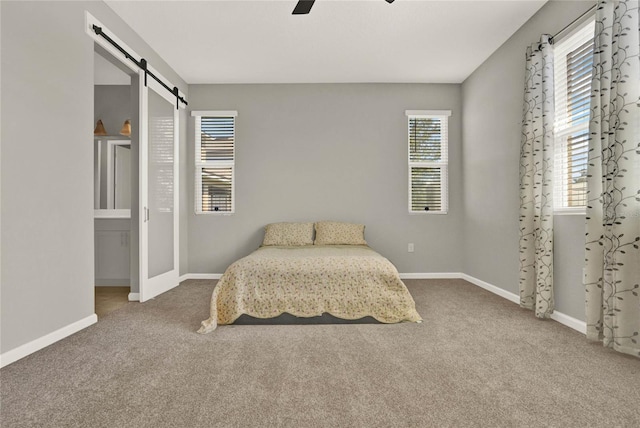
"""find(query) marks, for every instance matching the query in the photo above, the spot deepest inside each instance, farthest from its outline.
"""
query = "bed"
(349, 281)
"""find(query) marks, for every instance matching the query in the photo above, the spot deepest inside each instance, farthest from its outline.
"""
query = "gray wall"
(47, 234)
(328, 152)
(112, 104)
(492, 99)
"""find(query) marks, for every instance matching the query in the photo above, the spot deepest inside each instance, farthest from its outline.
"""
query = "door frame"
(154, 289)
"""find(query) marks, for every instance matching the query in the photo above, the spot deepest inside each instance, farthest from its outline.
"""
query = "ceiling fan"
(304, 6)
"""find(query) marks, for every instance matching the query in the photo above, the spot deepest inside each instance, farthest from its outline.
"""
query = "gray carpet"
(477, 360)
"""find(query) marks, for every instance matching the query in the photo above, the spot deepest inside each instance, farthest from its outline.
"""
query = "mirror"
(112, 177)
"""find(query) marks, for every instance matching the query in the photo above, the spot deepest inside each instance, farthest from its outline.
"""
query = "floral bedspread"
(346, 281)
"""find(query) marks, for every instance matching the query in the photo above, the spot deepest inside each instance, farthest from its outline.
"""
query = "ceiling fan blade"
(303, 7)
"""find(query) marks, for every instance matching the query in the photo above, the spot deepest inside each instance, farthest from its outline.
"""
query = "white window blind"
(215, 161)
(428, 161)
(573, 63)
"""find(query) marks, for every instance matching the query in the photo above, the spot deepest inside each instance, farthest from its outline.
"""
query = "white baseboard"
(570, 322)
(492, 288)
(134, 297)
(200, 276)
(433, 275)
(563, 319)
(46, 340)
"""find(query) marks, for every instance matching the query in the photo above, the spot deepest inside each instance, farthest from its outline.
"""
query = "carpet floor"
(476, 360)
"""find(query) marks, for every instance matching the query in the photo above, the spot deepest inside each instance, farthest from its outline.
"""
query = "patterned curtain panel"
(536, 182)
(613, 209)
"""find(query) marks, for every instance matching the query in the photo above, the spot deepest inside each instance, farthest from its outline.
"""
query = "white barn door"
(158, 189)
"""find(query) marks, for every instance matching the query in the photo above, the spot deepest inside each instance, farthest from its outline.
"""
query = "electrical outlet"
(410, 247)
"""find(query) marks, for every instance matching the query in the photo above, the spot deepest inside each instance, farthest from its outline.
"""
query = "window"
(428, 140)
(573, 62)
(215, 161)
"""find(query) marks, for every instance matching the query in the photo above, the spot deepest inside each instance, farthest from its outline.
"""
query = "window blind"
(573, 64)
(215, 161)
(217, 138)
(426, 189)
(578, 83)
(216, 189)
(428, 141)
(425, 139)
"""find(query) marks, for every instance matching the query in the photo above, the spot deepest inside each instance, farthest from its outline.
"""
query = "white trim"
(159, 89)
(112, 213)
(560, 317)
(200, 164)
(428, 212)
(442, 164)
(200, 276)
(217, 113)
(562, 124)
(134, 297)
(570, 322)
(431, 275)
(570, 211)
(90, 20)
(222, 213)
(46, 340)
(97, 172)
(111, 155)
(492, 288)
(428, 113)
(143, 156)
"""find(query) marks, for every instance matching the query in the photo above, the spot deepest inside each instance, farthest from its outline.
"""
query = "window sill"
(570, 211)
(428, 212)
(226, 213)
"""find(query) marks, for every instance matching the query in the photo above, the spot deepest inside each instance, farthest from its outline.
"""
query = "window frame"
(442, 164)
(563, 130)
(202, 164)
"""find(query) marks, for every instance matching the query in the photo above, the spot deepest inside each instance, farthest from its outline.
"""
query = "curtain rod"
(575, 21)
(143, 65)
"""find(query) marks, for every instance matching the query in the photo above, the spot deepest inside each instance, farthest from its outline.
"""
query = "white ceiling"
(259, 41)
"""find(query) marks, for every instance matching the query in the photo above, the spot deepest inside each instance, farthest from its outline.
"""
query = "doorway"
(153, 216)
(113, 187)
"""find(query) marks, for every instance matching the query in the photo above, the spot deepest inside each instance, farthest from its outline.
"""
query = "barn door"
(158, 189)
